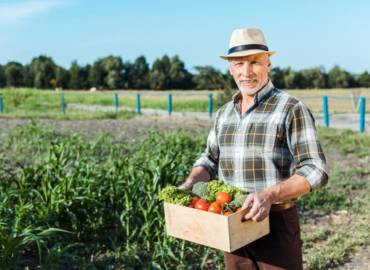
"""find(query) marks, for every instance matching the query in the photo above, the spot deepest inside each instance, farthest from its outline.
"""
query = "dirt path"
(128, 128)
(337, 120)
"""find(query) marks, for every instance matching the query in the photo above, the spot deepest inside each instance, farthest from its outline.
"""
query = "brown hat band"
(248, 47)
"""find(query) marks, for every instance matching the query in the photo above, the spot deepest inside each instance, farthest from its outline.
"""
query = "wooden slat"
(226, 233)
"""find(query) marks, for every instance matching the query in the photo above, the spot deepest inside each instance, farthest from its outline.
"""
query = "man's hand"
(197, 174)
(261, 204)
(186, 185)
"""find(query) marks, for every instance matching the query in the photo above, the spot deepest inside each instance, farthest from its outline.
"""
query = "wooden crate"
(226, 233)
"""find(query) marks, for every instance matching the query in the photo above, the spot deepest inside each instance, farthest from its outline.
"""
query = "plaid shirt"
(274, 139)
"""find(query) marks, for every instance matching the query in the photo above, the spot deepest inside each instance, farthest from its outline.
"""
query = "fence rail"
(358, 104)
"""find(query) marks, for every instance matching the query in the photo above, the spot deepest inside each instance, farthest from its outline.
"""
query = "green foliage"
(43, 71)
(346, 141)
(104, 191)
(2, 77)
(172, 194)
(200, 189)
(78, 76)
(92, 202)
(238, 200)
(14, 74)
(209, 78)
(170, 73)
(216, 186)
(324, 199)
(339, 78)
(111, 72)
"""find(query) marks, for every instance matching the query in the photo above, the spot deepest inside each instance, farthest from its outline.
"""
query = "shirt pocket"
(265, 137)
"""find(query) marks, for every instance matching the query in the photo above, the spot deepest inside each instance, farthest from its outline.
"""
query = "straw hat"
(245, 42)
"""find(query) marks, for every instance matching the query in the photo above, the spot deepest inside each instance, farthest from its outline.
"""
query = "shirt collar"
(261, 94)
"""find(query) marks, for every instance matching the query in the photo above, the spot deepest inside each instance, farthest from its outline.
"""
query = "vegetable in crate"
(216, 186)
(200, 189)
(238, 201)
(172, 194)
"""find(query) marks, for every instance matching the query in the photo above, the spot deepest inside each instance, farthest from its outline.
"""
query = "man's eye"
(254, 62)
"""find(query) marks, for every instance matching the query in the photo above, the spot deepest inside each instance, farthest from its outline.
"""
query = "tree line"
(112, 72)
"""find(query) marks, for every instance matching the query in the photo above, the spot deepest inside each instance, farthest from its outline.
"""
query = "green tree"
(277, 77)
(139, 73)
(43, 71)
(27, 76)
(180, 78)
(97, 75)
(14, 74)
(62, 78)
(364, 79)
(2, 77)
(315, 78)
(113, 67)
(208, 77)
(159, 74)
(339, 78)
(79, 76)
(294, 79)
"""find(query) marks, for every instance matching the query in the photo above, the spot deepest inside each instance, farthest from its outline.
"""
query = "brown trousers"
(280, 249)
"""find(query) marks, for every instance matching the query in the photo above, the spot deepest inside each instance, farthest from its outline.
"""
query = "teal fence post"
(138, 103)
(220, 100)
(116, 103)
(210, 104)
(362, 114)
(62, 103)
(169, 104)
(1, 104)
(325, 110)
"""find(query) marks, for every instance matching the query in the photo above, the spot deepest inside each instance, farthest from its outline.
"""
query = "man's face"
(250, 72)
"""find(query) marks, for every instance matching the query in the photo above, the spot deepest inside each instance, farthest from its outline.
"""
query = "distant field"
(46, 103)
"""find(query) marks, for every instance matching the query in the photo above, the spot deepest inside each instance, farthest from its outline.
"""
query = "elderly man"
(263, 140)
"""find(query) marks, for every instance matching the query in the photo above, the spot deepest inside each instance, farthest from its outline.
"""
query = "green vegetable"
(200, 189)
(172, 194)
(216, 186)
(238, 201)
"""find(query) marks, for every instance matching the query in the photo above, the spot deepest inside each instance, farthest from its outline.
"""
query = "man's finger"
(185, 186)
(252, 212)
(248, 201)
(260, 215)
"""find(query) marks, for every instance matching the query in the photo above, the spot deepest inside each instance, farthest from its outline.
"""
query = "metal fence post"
(1, 103)
(169, 104)
(210, 104)
(138, 110)
(325, 110)
(116, 103)
(62, 103)
(362, 114)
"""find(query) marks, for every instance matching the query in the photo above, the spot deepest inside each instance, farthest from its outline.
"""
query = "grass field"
(91, 201)
(46, 103)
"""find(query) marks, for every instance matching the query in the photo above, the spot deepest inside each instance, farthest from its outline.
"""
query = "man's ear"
(269, 65)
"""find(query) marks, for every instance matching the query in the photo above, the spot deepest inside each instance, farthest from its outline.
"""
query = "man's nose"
(247, 70)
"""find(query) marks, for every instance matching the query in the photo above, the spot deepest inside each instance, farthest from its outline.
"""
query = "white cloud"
(14, 12)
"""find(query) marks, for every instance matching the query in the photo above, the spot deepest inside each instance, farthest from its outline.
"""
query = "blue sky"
(304, 33)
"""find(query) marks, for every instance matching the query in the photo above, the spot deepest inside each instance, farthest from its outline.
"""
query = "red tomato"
(202, 204)
(215, 207)
(223, 197)
(194, 200)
